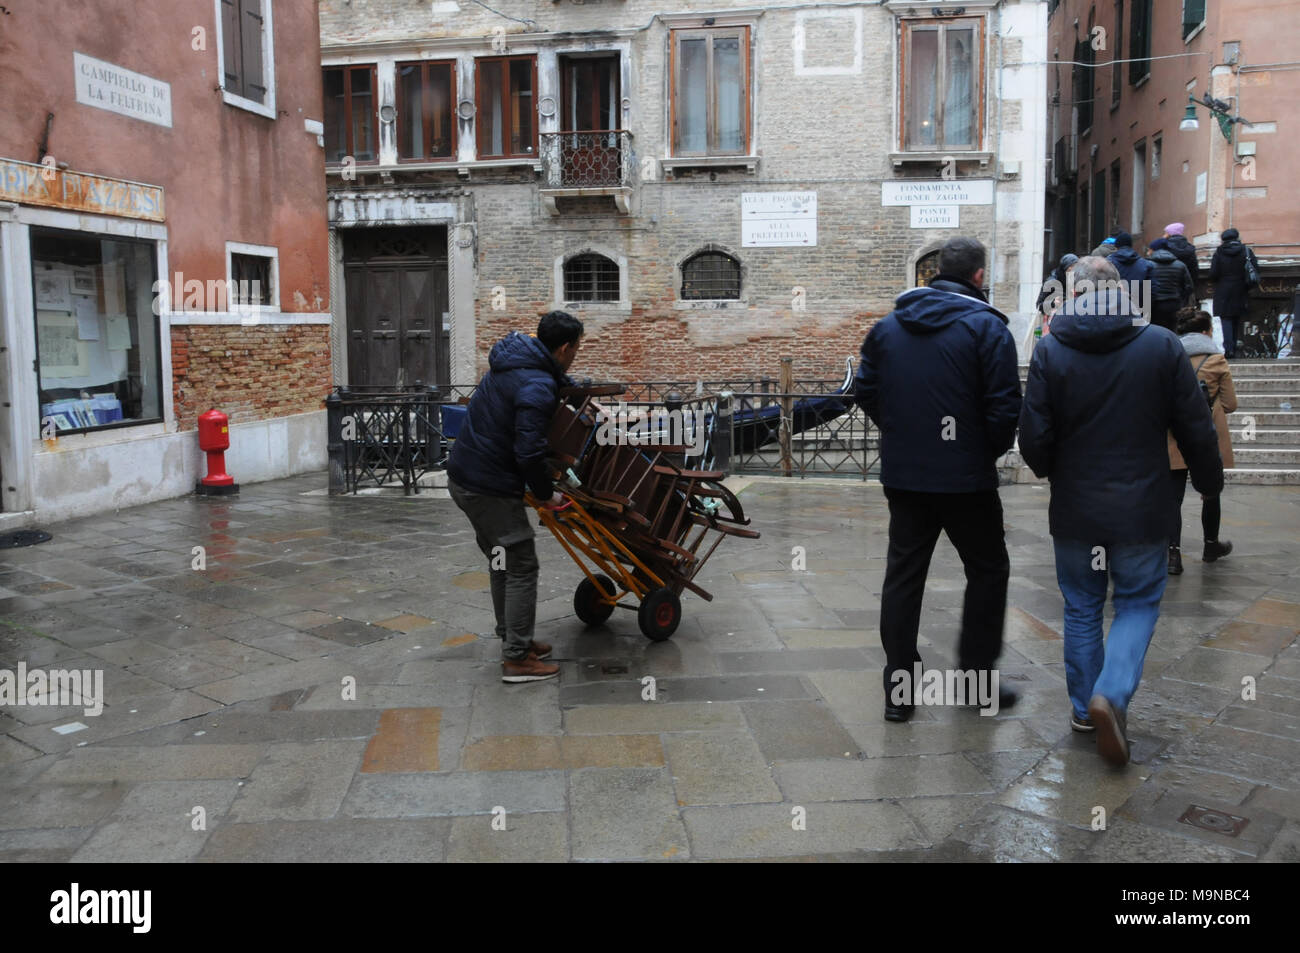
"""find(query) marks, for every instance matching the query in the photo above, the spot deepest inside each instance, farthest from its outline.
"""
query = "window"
(1081, 84)
(1098, 209)
(942, 84)
(709, 109)
(1156, 145)
(927, 267)
(1139, 186)
(98, 350)
(1084, 237)
(1117, 68)
(254, 277)
(1140, 42)
(590, 93)
(1114, 196)
(505, 111)
(247, 54)
(426, 96)
(710, 276)
(250, 281)
(1193, 17)
(350, 128)
(591, 277)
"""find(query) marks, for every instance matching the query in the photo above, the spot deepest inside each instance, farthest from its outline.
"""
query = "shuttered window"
(1140, 42)
(243, 23)
(1193, 16)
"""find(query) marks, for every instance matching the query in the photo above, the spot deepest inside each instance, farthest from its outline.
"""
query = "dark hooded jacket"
(1102, 396)
(1130, 267)
(939, 377)
(502, 444)
(1171, 285)
(1185, 252)
(1228, 272)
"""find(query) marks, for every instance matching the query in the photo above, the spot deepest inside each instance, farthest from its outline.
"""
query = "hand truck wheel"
(659, 614)
(591, 606)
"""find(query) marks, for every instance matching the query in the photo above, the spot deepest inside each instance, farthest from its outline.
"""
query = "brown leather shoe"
(528, 669)
(1112, 744)
(539, 649)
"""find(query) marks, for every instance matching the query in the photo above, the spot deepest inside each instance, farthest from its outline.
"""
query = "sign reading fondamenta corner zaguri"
(112, 87)
(937, 192)
(29, 184)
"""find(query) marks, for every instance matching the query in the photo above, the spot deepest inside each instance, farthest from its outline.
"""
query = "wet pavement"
(319, 682)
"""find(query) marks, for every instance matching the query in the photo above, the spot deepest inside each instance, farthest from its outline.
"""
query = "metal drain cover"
(1208, 819)
(23, 537)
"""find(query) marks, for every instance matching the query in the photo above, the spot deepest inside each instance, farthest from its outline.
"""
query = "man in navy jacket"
(501, 450)
(938, 377)
(1105, 389)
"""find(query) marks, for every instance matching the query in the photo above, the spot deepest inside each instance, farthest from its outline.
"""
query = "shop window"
(247, 55)
(710, 276)
(506, 107)
(710, 92)
(942, 84)
(426, 96)
(927, 267)
(350, 128)
(98, 351)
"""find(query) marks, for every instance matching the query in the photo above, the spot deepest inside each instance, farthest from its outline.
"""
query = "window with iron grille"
(250, 277)
(710, 276)
(1140, 42)
(590, 277)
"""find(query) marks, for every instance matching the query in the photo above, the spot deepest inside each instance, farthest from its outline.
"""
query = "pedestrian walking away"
(1216, 381)
(1228, 270)
(939, 378)
(1136, 272)
(1183, 250)
(1103, 393)
(1171, 286)
(501, 450)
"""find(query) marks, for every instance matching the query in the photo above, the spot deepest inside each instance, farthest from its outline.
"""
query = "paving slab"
(768, 830)
(625, 814)
(336, 841)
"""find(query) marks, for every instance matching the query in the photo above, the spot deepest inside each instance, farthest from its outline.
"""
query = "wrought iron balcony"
(593, 162)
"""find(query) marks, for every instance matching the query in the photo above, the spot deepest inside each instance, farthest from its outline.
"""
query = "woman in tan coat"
(1212, 368)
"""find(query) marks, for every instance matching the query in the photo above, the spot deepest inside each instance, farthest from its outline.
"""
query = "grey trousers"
(505, 535)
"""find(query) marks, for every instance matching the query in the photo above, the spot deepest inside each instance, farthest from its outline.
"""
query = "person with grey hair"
(1103, 392)
(939, 378)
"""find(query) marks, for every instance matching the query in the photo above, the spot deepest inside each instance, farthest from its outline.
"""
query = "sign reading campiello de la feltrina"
(123, 91)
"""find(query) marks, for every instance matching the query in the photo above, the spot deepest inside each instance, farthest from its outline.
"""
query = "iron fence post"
(722, 421)
(334, 443)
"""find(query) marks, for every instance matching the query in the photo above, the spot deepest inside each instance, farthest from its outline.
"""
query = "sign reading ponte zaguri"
(30, 184)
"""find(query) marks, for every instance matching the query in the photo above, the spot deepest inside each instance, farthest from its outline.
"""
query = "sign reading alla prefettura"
(29, 184)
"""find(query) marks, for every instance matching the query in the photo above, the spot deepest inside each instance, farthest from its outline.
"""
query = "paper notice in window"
(87, 318)
(119, 331)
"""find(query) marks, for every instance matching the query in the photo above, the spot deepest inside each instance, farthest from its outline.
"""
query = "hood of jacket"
(1097, 322)
(1126, 255)
(516, 351)
(1179, 243)
(1198, 343)
(927, 310)
(1163, 256)
(1231, 248)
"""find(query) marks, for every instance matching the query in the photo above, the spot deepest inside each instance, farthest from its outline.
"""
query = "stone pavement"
(228, 690)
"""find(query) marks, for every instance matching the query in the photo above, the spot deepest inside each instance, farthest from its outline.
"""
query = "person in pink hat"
(1183, 250)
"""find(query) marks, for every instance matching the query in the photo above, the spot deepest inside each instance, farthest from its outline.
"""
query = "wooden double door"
(397, 303)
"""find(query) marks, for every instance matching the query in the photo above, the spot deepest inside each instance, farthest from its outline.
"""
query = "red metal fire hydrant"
(214, 440)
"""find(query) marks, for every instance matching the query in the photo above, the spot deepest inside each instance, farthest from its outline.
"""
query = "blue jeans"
(1139, 572)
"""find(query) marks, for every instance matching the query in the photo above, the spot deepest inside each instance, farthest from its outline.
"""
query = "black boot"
(1175, 561)
(1215, 550)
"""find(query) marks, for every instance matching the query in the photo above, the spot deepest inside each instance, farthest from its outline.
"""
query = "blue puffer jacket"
(1103, 394)
(1132, 268)
(502, 444)
(938, 376)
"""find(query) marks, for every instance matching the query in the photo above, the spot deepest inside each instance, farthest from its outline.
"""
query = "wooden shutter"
(250, 41)
(1193, 14)
(230, 46)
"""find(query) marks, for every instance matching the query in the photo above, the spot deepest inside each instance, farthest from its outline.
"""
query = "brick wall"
(250, 373)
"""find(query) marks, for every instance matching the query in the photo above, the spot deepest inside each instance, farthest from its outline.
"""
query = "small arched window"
(590, 277)
(710, 276)
(927, 266)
